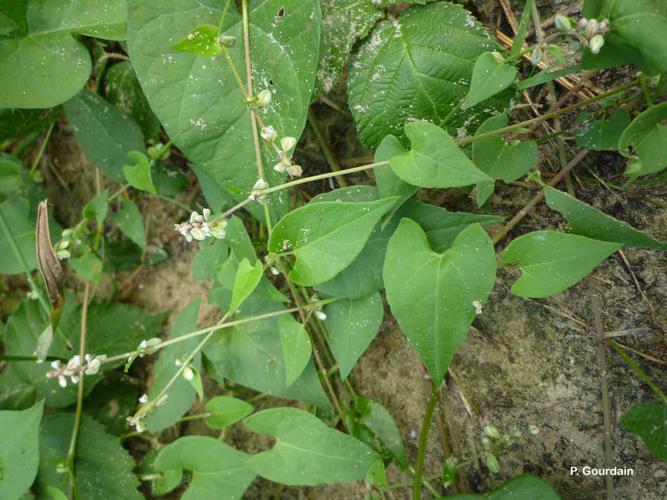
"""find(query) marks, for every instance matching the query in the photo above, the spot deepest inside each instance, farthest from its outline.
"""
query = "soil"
(528, 365)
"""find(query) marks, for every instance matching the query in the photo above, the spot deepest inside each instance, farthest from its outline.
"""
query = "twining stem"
(316, 354)
(42, 147)
(423, 441)
(328, 155)
(21, 258)
(640, 373)
(71, 453)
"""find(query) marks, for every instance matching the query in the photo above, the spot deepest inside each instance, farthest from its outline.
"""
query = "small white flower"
(188, 373)
(260, 185)
(596, 44)
(281, 167)
(178, 362)
(62, 381)
(198, 233)
(321, 315)
(274, 271)
(287, 143)
(294, 170)
(478, 306)
(263, 98)
(268, 133)
(143, 399)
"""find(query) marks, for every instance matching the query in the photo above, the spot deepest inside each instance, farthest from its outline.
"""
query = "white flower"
(260, 185)
(274, 271)
(478, 306)
(143, 399)
(281, 167)
(268, 133)
(263, 98)
(321, 315)
(188, 373)
(287, 143)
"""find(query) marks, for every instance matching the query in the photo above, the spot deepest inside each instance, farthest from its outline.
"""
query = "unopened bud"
(536, 56)
(287, 143)
(596, 44)
(263, 98)
(591, 28)
(563, 24)
(581, 24)
(603, 27)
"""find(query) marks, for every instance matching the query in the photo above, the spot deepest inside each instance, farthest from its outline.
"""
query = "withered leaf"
(49, 265)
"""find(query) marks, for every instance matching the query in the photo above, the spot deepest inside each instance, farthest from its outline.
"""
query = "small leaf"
(218, 470)
(88, 265)
(106, 133)
(592, 223)
(139, 175)
(601, 135)
(295, 346)
(201, 41)
(11, 173)
(225, 411)
(19, 454)
(498, 159)
(649, 421)
(645, 141)
(435, 161)
(326, 237)
(434, 295)
(490, 76)
(181, 394)
(130, 222)
(307, 452)
(246, 280)
(552, 261)
(352, 324)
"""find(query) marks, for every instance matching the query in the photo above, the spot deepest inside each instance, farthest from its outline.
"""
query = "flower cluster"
(199, 227)
(68, 239)
(74, 369)
(283, 148)
(591, 31)
(319, 313)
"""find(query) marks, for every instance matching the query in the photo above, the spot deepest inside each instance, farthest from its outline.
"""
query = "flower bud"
(596, 44)
(603, 27)
(591, 28)
(269, 133)
(263, 98)
(260, 185)
(563, 24)
(581, 24)
(287, 143)
(536, 56)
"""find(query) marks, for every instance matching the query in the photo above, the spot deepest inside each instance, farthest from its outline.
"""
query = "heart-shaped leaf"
(644, 142)
(649, 421)
(490, 76)
(435, 296)
(296, 347)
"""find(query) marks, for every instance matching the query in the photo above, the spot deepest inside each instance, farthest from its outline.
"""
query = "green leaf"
(97, 18)
(218, 470)
(307, 451)
(388, 183)
(498, 159)
(130, 222)
(435, 161)
(526, 486)
(102, 469)
(88, 265)
(296, 347)
(19, 455)
(418, 67)
(634, 36)
(139, 175)
(649, 421)
(644, 142)
(106, 134)
(198, 100)
(11, 173)
(246, 280)
(201, 41)
(180, 394)
(587, 221)
(225, 411)
(212, 253)
(379, 422)
(551, 261)
(251, 355)
(326, 237)
(434, 296)
(122, 89)
(111, 402)
(16, 211)
(15, 394)
(490, 76)
(601, 135)
(98, 207)
(352, 324)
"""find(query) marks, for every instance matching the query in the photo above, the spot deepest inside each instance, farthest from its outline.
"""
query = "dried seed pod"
(49, 265)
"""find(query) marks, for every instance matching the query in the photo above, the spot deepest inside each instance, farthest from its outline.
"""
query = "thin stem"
(21, 258)
(80, 392)
(42, 147)
(645, 90)
(423, 441)
(640, 373)
(328, 154)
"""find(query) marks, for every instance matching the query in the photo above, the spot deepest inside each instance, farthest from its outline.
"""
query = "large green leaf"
(197, 99)
(499, 159)
(644, 142)
(635, 35)
(601, 135)
(16, 211)
(181, 394)
(418, 67)
(435, 161)
(307, 451)
(102, 468)
(106, 133)
(587, 221)
(525, 487)
(649, 421)
(326, 237)
(15, 394)
(218, 470)
(552, 262)
(41, 63)
(388, 183)
(19, 454)
(435, 296)
(352, 324)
